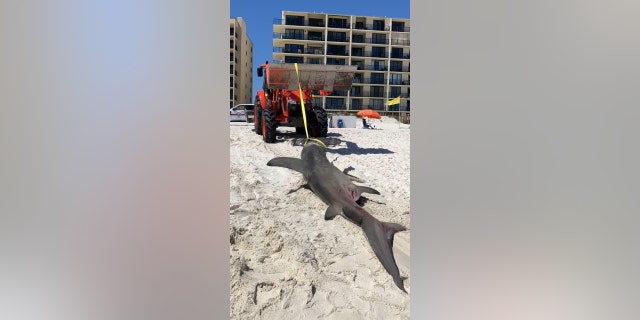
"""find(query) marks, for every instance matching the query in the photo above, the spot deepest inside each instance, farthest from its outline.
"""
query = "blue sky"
(259, 17)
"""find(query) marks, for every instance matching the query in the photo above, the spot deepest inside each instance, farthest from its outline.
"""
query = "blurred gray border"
(524, 160)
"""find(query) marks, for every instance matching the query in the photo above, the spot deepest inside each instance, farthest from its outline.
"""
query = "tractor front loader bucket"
(311, 76)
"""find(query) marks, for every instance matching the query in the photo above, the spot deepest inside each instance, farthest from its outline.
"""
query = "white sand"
(286, 261)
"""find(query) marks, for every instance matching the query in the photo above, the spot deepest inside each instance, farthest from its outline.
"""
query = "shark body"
(336, 189)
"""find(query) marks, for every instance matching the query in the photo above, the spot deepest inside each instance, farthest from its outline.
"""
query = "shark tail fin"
(380, 236)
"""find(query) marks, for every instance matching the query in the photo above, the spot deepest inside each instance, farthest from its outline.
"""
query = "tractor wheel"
(320, 126)
(257, 119)
(268, 126)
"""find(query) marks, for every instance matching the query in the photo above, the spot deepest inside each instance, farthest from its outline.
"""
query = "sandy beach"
(286, 261)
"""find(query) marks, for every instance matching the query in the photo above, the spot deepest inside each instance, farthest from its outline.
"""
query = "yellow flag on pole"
(394, 101)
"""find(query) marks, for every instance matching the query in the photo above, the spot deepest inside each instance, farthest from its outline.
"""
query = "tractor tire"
(320, 126)
(257, 119)
(268, 126)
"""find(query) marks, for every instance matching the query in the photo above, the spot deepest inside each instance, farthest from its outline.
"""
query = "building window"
(396, 53)
(315, 50)
(379, 38)
(231, 31)
(316, 36)
(294, 34)
(395, 65)
(395, 92)
(337, 36)
(376, 104)
(395, 78)
(359, 52)
(338, 23)
(289, 59)
(379, 65)
(397, 26)
(314, 61)
(378, 25)
(293, 48)
(356, 104)
(356, 91)
(377, 91)
(334, 103)
(357, 38)
(378, 52)
(377, 78)
(335, 61)
(294, 20)
(337, 50)
(314, 22)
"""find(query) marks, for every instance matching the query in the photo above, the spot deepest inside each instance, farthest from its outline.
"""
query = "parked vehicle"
(242, 112)
(287, 88)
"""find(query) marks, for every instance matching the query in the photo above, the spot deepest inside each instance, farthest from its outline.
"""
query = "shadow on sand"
(353, 148)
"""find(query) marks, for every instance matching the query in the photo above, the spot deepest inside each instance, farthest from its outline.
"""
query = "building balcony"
(356, 39)
(400, 29)
(369, 81)
(400, 56)
(400, 42)
(362, 26)
(299, 51)
(399, 69)
(297, 37)
(399, 82)
(318, 23)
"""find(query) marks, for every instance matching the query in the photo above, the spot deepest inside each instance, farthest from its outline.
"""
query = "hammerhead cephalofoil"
(335, 189)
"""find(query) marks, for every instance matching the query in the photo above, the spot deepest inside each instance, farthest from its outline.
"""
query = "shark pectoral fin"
(287, 162)
(332, 212)
(363, 189)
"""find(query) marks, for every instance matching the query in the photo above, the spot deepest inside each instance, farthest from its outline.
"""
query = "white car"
(241, 112)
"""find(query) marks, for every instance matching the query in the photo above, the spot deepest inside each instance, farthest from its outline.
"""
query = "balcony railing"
(400, 29)
(339, 93)
(337, 39)
(400, 56)
(400, 42)
(369, 40)
(373, 67)
(337, 24)
(362, 26)
(297, 37)
(369, 81)
(300, 51)
(399, 82)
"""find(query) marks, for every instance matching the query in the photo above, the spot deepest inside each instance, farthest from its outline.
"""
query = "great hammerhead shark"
(336, 189)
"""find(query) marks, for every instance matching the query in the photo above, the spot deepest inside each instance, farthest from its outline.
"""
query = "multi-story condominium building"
(379, 46)
(240, 63)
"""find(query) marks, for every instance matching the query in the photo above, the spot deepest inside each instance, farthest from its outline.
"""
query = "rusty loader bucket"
(312, 76)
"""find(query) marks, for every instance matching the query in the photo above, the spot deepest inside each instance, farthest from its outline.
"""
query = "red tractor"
(279, 103)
